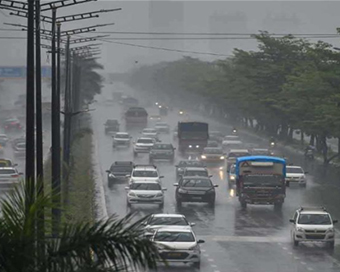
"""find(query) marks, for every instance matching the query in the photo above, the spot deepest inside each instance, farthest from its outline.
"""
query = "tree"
(106, 245)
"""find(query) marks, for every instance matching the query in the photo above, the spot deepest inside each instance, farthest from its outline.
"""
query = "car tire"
(331, 244)
(197, 265)
(278, 206)
(244, 205)
(179, 203)
(161, 206)
(296, 243)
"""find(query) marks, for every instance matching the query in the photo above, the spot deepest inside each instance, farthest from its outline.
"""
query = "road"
(236, 240)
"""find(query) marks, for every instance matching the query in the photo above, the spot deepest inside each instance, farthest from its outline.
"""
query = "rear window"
(7, 171)
(145, 141)
(121, 168)
(236, 155)
(145, 174)
(205, 183)
(294, 170)
(190, 163)
(196, 173)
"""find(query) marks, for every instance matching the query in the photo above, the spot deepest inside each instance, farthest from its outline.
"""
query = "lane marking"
(284, 248)
(290, 253)
(303, 263)
(206, 255)
(255, 239)
(296, 258)
(310, 269)
(211, 260)
(213, 265)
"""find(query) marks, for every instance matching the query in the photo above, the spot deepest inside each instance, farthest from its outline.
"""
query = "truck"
(136, 117)
(260, 180)
(192, 137)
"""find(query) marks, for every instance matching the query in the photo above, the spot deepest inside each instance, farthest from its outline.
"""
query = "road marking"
(213, 265)
(284, 248)
(211, 260)
(303, 263)
(253, 239)
(290, 253)
(296, 258)
(206, 255)
(310, 269)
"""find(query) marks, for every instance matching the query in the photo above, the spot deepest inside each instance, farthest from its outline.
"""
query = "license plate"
(174, 254)
(197, 197)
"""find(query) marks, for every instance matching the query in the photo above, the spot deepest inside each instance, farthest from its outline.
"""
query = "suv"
(162, 152)
(111, 126)
(145, 172)
(295, 174)
(121, 139)
(145, 192)
(119, 170)
(312, 225)
(143, 145)
(195, 189)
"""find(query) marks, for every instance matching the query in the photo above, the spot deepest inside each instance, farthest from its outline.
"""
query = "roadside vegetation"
(287, 85)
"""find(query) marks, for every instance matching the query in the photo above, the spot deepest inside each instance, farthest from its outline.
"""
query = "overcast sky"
(295, 17)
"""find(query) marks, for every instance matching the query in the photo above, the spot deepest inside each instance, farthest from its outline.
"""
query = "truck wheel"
(278, 205)
(244, 204)
(331, 244)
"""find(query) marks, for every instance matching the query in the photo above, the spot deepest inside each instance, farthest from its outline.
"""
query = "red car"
(12, 124)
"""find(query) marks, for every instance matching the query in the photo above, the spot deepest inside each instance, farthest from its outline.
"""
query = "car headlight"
(195, 248)
(132, 194)
(222, 158)
(203, 156)
(182, 191)
(300, 229)
(197, 146)
(159, 195)
(303, 177)
(330, 230)
(232, 177)
(190, 146)
(111, 175)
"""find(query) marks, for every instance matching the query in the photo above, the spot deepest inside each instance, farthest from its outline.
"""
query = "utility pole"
(30, 95)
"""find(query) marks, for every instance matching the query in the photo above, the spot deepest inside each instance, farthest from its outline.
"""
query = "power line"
(201, 38)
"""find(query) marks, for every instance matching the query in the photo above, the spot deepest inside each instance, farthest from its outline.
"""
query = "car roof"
(313, 212)
(238, 151)
(146, 181)
(175, 230)
(293, 166)
(196, 169)
(8, 168)
(146, 168)
(167, 215)
(122, 133)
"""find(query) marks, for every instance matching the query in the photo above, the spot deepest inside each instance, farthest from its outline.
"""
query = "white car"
(9, 177)
(312, 225)
(145, 192)
(295, 174)
(121, 139)
(178, 246)
(150, 133)
(231, 144)
(143, 145)
(145, 172)
(162, 127)
(165, 220)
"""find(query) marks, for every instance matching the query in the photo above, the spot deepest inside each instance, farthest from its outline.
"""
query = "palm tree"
(106, 245)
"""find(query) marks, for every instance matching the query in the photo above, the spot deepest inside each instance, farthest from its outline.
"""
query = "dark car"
(195, 172)
(111, 126)
(119, 170)
(12, 125)
(195, 189)
(162, 152)
(183, 164)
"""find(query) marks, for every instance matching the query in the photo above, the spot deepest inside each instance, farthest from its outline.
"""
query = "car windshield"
(237, 155)
(149, 131)
(178, 221)
(294, 170)
(146, 186)
(190, 163)
(5, 163)
(213, 151)
(145, 141)
(314, 219)
(162, 146)
(196, 173)
(121, 168)
(122, 136)
(145, 174)
(205, 183)
(165, 236)
(7, 171)
(259, 180)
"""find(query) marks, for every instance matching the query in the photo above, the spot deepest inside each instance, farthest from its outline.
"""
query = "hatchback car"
(295, 174)
(145, 172)
(312, 225)
(143, 145)
(162, 152)
(195, 189)
(145, 192)
(119, 170)
(178, 246)
(187, 163)
(9, 177)
(121, 139)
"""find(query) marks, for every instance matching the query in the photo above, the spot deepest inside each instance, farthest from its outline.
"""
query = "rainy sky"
(121, 51)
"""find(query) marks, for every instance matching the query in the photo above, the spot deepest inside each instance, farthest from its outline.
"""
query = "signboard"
(20, 71)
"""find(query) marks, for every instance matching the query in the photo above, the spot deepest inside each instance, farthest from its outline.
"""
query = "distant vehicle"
(232, 174)
(20, 150)
(261, 152)
(143, 145)
(136, 117)
(155, 117)
(195, 189)
(295, 174)
(192, 137)
(234, 154)
(121, 139)
(130, 102)
(145, 172)
(180, 167)
(6, 163)
(216, 136)
(213, 155)
(162, 152)
(227, 145)
(18, 140)
(119, 170)
(213, 144)
(145, 192)
(3, 139)
(162, 127)
(195, 171)
(150, 133)
(313, 225)
(163, 110)
(165, 220)
(12, 125)
(9, 177)
(261, 180)
(111, 126)
(178, 246)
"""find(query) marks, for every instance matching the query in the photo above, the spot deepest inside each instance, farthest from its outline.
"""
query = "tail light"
(6, 126)
(14, 176)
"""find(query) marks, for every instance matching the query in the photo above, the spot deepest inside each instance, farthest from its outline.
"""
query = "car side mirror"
(192, 224)
(306, 172)
(291, 221)
(210, 176)
(175, 184)
(200, 242)
(108, 171)
(127, 188)
(335, 221)
(215, 185)
(161, 177)
(164, 189)
(128, 176)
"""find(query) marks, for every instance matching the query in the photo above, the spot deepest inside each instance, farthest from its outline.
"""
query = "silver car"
(9, 177)
(145, 192)
(178, 246)
(143, 145)
(121, 139)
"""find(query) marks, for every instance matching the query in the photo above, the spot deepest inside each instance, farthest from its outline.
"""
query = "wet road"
(254, 240)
